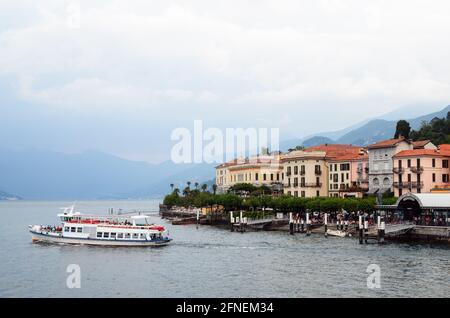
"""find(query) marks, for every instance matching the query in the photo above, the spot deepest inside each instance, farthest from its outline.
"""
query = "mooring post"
(360, 226)
(241, 221)
(231, 221)
(291, 224)
(302, 226)
(308, 224)
(366, 230)
(198, 217)
(325, 221)
(381, 231)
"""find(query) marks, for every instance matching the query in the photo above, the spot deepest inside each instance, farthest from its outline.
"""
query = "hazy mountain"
(7, 196)
(317, 140)
(38, 174)
(373, 130)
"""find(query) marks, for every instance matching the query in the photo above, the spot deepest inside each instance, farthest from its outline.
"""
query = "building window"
(303, 194)
(445, 178)
(434, 177)
(295, 169)
(317, 193)
(295, 193)
(409, 163)
(433, 163)
(444, 163)
(295, 182)
(271, 177)
(256, 176)
(376, 182)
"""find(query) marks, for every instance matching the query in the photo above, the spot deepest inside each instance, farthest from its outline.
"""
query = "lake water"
(210, 262)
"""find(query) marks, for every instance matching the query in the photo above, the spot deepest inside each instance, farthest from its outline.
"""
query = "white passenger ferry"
(110, 230)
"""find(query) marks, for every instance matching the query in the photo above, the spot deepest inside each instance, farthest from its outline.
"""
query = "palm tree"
(176, 191)
(189, 184)
(204, 187)
(196, 185)
(171, 186)
(186, 191)
(214, 187)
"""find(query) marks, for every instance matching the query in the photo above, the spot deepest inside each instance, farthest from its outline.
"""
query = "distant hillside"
(37, 174)
(7, 196)
(317, 140)
(370, 132)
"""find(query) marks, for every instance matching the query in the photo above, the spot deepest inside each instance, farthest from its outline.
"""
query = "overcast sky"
(121, 75)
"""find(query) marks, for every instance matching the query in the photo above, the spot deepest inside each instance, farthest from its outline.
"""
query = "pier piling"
(366, 230)
(232, 221)
(360, 226)
(291, 224)
(381, 229)
(325, 221)
(308, 225)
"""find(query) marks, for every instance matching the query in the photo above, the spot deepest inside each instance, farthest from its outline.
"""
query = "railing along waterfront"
(408, 185)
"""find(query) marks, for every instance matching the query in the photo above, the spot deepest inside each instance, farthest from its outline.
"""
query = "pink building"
(421, 170)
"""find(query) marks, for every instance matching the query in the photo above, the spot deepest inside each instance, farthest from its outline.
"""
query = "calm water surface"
(210, 262)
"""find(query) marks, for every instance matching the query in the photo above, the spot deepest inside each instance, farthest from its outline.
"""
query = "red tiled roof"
(338, 151)
(423, 152)
(387, 143)
(420, 143)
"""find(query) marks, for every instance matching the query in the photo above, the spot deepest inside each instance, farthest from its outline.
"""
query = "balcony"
(408, 185)
(416, 169)
(318, 172)
(311, 185)
(363, 180)
(398, 170)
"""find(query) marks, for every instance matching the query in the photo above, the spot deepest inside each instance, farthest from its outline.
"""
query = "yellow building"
(305, 173)
(261, 170)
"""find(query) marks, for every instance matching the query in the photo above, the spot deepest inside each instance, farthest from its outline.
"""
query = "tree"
(196, 185)
(204, 187)
(214, 187)
(171, 186)
(403, 129)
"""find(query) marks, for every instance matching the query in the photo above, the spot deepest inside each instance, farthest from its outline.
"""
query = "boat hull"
(46, 238)
(337, 233)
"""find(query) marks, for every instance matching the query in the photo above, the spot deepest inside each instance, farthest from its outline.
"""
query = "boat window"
(79, 229)
(106, 235)
(135, 235)
(113, 235)
(120, 235)
(99, 234)
(72, 229)
(67, 229)
(127, 235)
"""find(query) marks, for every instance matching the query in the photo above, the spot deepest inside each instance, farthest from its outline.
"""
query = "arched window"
(386, 182)
(376, 181)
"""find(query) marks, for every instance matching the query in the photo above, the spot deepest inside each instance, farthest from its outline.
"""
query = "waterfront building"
(422, 170)
(381, 174)
(260, 170)
(426, 209)
(306, 172)
(348, 175)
